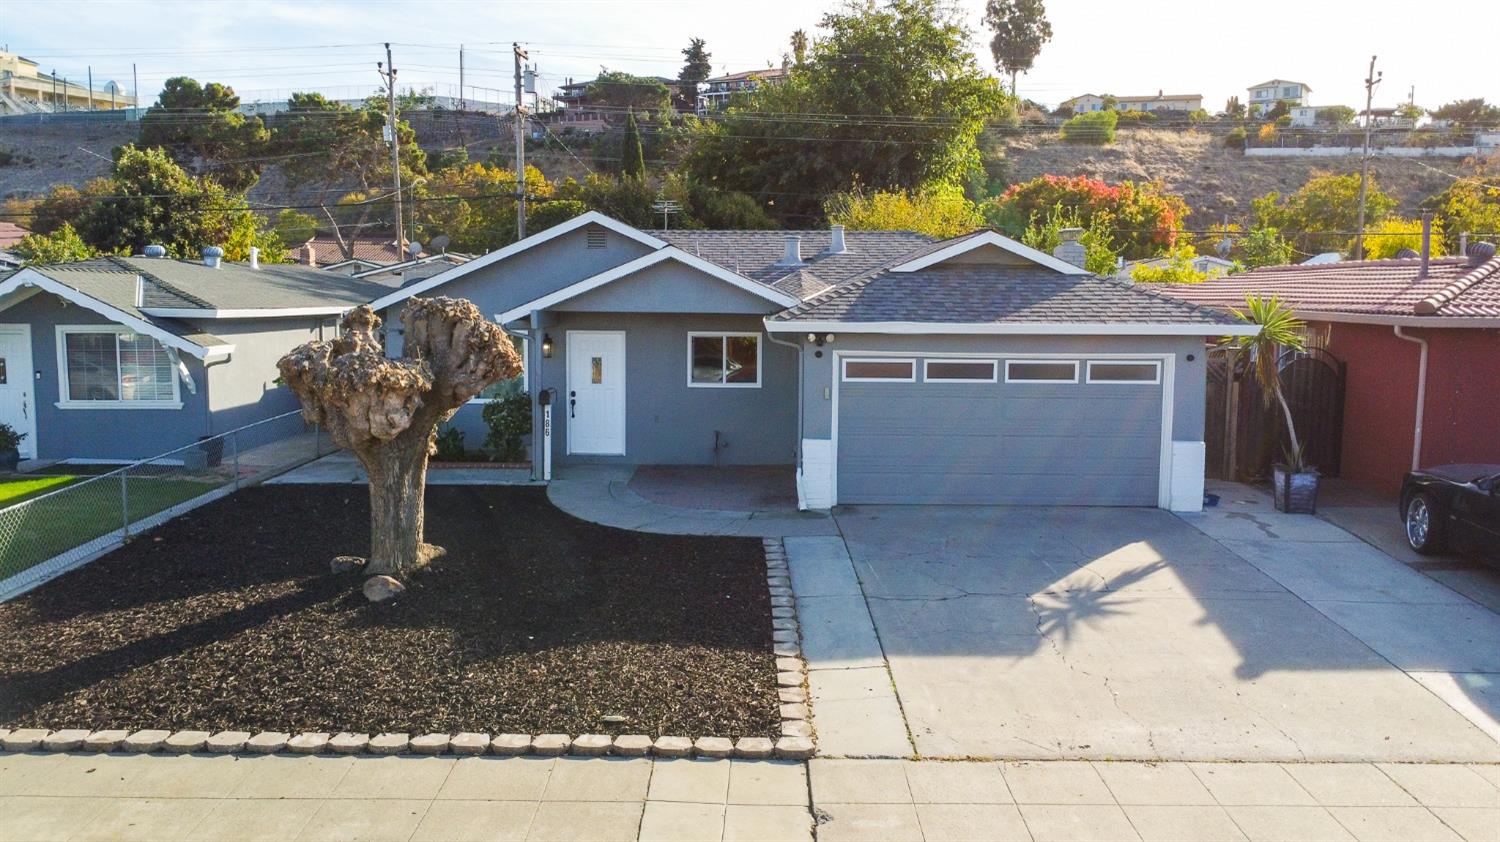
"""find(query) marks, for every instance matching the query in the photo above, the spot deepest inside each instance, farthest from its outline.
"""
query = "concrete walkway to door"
(1235, 634)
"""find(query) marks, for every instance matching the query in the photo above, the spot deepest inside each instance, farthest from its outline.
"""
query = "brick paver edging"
(795, 743)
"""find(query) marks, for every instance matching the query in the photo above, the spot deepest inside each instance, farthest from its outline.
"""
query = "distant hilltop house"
(1267, 94)
(25, 89)
(1158, 101)
(715, 93)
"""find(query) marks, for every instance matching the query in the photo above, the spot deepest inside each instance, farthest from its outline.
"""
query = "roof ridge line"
(1430, 305)
(120, 261)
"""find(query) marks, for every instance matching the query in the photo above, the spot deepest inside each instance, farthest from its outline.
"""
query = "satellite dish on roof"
(414, 248)
(440, 243)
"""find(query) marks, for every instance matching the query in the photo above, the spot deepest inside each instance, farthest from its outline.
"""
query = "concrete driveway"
(1237, 634)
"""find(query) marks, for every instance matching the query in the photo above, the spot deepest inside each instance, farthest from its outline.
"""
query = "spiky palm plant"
(1279, 328)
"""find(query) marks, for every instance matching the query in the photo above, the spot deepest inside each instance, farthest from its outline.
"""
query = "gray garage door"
(950, 431)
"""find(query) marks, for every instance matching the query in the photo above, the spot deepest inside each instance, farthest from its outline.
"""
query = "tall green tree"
(799, 47)
(1020, 30)
(153, 200)
(632, 160)
(340, 152)
(61, 246)
(1469, 205)
(201, 128)
(1469, 113)
(615, 89)
(1234, 109)
(889, 99)
(695, 68)
(1323, 213)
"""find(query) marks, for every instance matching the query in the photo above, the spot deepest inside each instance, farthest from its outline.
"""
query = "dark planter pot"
(1294, 492)
(213, 450)
(9, 459)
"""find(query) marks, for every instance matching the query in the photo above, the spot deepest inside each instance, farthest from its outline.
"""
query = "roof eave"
(1009, 328)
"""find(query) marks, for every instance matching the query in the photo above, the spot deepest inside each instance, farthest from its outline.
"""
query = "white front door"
(17, 389)
(596, 392)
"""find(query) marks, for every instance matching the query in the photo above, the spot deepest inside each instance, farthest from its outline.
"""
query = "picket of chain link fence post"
(125, 501)
(236, 443)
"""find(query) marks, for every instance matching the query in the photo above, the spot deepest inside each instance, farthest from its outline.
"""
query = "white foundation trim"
(815, 480)
(1188, 458)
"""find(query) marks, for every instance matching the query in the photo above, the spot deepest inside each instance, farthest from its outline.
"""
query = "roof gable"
(976, 245)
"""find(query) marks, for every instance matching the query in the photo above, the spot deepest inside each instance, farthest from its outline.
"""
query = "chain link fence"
(94, 509)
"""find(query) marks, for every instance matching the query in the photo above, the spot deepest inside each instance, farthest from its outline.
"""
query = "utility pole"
(135, 90)
(461, 99)
(1371, 81)
(91, 87)
(520, 55)
(389, 74)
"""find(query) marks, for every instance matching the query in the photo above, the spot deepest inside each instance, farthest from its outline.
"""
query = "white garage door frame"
(1168, 382)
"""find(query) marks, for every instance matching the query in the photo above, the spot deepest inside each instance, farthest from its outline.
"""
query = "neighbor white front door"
(596, 392)
(17, 389)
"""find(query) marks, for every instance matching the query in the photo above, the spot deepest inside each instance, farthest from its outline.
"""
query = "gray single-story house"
(122, 358)
(882, 365)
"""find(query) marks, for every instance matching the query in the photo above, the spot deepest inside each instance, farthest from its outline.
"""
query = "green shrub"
(9, 438)
(1134, 116)
(450, 445)
(1094, 127)
(508, 419)
(1235, 139)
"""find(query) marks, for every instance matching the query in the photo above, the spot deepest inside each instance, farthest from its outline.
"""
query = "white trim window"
(879, 370)
(959, 371)
(1041, 371)
(110, 367)
(1124, 372)
(518, 384)
(718, 360)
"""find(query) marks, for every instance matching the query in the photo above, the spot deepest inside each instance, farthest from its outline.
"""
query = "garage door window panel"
(881, 371)
(1125, 372)
(959, 371)
(1041, 371)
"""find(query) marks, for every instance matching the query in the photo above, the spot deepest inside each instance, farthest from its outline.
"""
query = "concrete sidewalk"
(228, 798)
(602, 494)
(342, 468)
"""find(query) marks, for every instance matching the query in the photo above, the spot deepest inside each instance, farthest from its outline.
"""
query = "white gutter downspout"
(801, 399)
(1416, 443)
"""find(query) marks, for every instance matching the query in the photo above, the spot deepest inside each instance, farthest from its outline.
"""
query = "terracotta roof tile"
(1452, 288)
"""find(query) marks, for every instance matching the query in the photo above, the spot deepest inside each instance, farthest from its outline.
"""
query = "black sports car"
(1453, 507)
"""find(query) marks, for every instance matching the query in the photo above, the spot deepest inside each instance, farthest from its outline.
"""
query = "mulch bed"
(534, 622)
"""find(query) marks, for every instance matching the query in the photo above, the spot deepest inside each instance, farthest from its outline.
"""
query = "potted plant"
(1294, 482)
(10, 447)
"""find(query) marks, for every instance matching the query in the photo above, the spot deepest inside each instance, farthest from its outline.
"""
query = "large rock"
(346, 564)
(382, 588)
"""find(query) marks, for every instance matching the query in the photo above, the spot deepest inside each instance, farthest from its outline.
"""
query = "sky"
(268, 48)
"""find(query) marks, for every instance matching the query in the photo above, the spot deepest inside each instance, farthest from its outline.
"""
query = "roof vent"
(793, 254)
(212, 255)
(1070, 250)
(1406, 254)
(1480, 253)
(155, 250)
(836, 240)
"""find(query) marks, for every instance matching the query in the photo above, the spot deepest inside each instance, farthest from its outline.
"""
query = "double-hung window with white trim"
(108, 367)
(723, 360)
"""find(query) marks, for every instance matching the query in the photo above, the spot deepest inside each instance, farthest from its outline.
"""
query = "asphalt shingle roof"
(104, 280)
(755, 254)
(969, 293)
(235, 286)
(1452, 288)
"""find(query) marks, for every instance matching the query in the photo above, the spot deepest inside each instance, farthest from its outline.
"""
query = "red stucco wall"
(1462, 422)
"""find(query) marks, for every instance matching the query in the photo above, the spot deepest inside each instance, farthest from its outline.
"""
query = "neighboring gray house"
(885, 367)
(119, 358)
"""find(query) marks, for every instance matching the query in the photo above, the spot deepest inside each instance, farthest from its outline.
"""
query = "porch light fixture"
(820, 341)
(547, 346)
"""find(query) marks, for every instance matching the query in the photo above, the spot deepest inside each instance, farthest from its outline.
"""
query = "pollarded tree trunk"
(386, 411)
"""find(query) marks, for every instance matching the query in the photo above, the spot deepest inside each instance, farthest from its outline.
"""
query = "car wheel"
(1424, 526)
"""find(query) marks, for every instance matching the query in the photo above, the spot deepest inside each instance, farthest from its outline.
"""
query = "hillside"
(1215, 181)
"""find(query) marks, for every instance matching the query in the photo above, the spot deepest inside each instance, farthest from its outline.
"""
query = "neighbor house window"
(900, 371)
(515, 385)
(1041, 371)
(725, 360)
(1122, 371)
(108, 366)
(958, 371)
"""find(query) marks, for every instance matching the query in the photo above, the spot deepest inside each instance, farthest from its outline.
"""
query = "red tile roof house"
(1403, 332)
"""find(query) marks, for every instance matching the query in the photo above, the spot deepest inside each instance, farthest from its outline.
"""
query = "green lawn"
(13, 491)
(36, 532)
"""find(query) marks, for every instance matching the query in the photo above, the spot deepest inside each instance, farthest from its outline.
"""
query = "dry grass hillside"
(1216, 181)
